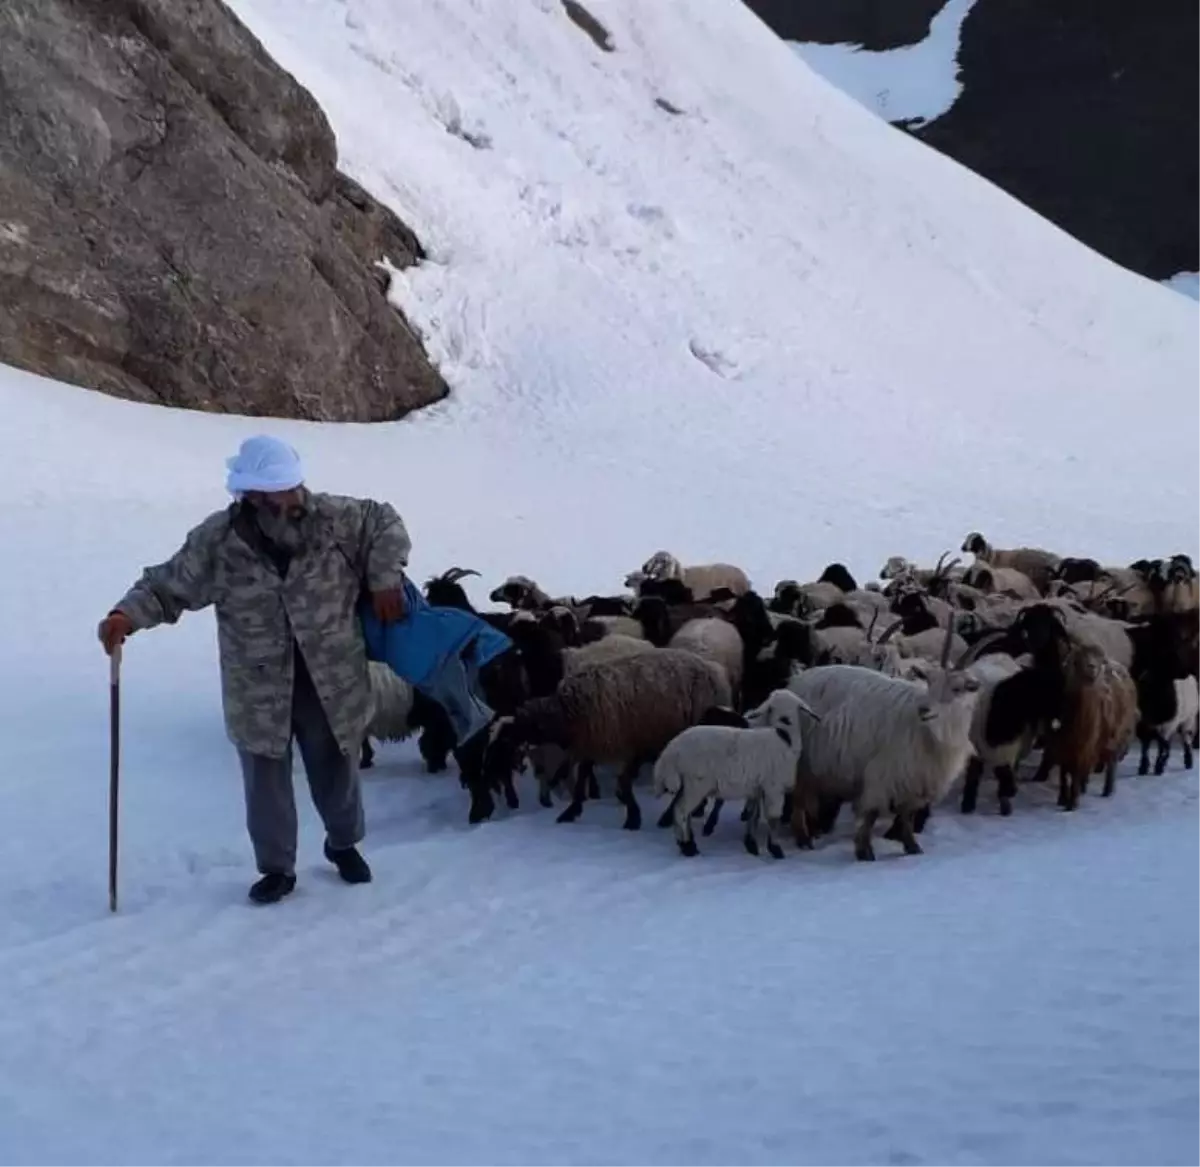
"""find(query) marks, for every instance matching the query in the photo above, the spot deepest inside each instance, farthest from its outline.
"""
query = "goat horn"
(457, 573)
(947, 642)
(889, 630)
(973, 652)
(871, 626)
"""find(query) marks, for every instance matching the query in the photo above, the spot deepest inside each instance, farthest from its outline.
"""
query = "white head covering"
(263, 463)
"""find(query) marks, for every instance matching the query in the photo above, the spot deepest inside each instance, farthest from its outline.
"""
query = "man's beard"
(286, 527)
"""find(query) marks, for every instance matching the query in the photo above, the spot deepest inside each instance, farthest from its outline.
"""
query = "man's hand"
(113, 630)
(388, 605)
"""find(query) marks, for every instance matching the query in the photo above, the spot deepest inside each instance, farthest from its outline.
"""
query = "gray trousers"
(332, 780)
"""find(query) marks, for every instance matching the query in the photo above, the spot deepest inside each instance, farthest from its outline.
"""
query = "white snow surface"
(891, 353)
(918, 82)
(1187, 283)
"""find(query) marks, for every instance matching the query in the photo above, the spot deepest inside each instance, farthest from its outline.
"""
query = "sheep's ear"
(787, 737)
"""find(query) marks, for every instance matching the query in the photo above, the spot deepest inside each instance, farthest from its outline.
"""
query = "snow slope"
(917, 82)
(524, 992)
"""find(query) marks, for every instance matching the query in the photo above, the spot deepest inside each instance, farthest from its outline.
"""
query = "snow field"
(767, 329)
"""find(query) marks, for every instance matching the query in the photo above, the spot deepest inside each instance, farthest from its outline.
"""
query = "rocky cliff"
(1085, 110)
(173, 227)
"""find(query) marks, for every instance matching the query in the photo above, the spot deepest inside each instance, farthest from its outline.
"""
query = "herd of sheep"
(882, 696)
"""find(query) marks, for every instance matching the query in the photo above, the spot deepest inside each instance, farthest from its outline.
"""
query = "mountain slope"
(689, 331)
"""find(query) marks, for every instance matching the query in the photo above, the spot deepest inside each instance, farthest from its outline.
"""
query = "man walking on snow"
(285, 568)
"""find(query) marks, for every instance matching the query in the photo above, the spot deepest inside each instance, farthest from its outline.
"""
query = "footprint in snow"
(713, 359)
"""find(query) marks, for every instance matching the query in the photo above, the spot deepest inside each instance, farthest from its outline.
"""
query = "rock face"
(173, 228)
(876, 25)
(1085, 110)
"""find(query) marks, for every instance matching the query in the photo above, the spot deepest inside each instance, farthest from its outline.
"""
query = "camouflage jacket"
(350, 543)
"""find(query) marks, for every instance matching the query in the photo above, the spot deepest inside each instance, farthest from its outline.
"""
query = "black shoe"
(352, 867)
(272, 888)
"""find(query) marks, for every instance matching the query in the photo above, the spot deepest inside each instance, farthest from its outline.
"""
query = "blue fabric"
(426, 649)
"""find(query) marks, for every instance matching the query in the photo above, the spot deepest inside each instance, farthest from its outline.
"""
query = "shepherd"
(286, 569)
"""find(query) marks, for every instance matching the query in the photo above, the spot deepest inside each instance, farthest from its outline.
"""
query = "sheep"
(701, 579)
(597, 627)
(757, 764)
(715, 639)
(1036, 565)
(988, 578)
(550, 762)
(391, 710)
(1166, 710)
(621, 711)
(883, 743)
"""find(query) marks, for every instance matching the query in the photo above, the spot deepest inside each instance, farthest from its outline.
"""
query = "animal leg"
(801, 830)
(633, 813)
(785, 815)
(911, 846)
(862, 837)
(698, 810)
(1164, 752)
(970, 794)
(668, 816)
(1187, 749)
(1144, 764)
(510, 792)
(593, 783)
(1044, 766)
(710, 823)
(575, 809)
(921, 817)
(684, 838)
(827, 815)
(366, 757)
(1110, 778)
(1007, 783)
(750, 838)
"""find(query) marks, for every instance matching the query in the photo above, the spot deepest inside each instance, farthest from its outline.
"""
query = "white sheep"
(757, 764)
(391, 707)
(717, 640)
(883, 744)
(700, 579)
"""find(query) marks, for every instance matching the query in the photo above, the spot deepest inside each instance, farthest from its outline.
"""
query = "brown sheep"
(617, 712)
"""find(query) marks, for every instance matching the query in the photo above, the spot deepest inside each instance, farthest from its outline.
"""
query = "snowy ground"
(656, 327)
(1185, 282)
(914, 82)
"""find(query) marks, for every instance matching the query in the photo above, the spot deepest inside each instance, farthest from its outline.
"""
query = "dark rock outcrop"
(173, 228)
(1085, 110)
(873, 24)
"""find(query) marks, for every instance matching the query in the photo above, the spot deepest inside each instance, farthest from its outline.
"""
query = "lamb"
(702, 579)
(757, 764)
(1167, 708)
(883, 744)
(620, 711)
(1038, 566)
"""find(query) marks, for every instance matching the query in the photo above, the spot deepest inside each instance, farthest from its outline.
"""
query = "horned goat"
(883, 744)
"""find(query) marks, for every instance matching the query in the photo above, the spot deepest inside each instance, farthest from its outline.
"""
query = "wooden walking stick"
(114, 770)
